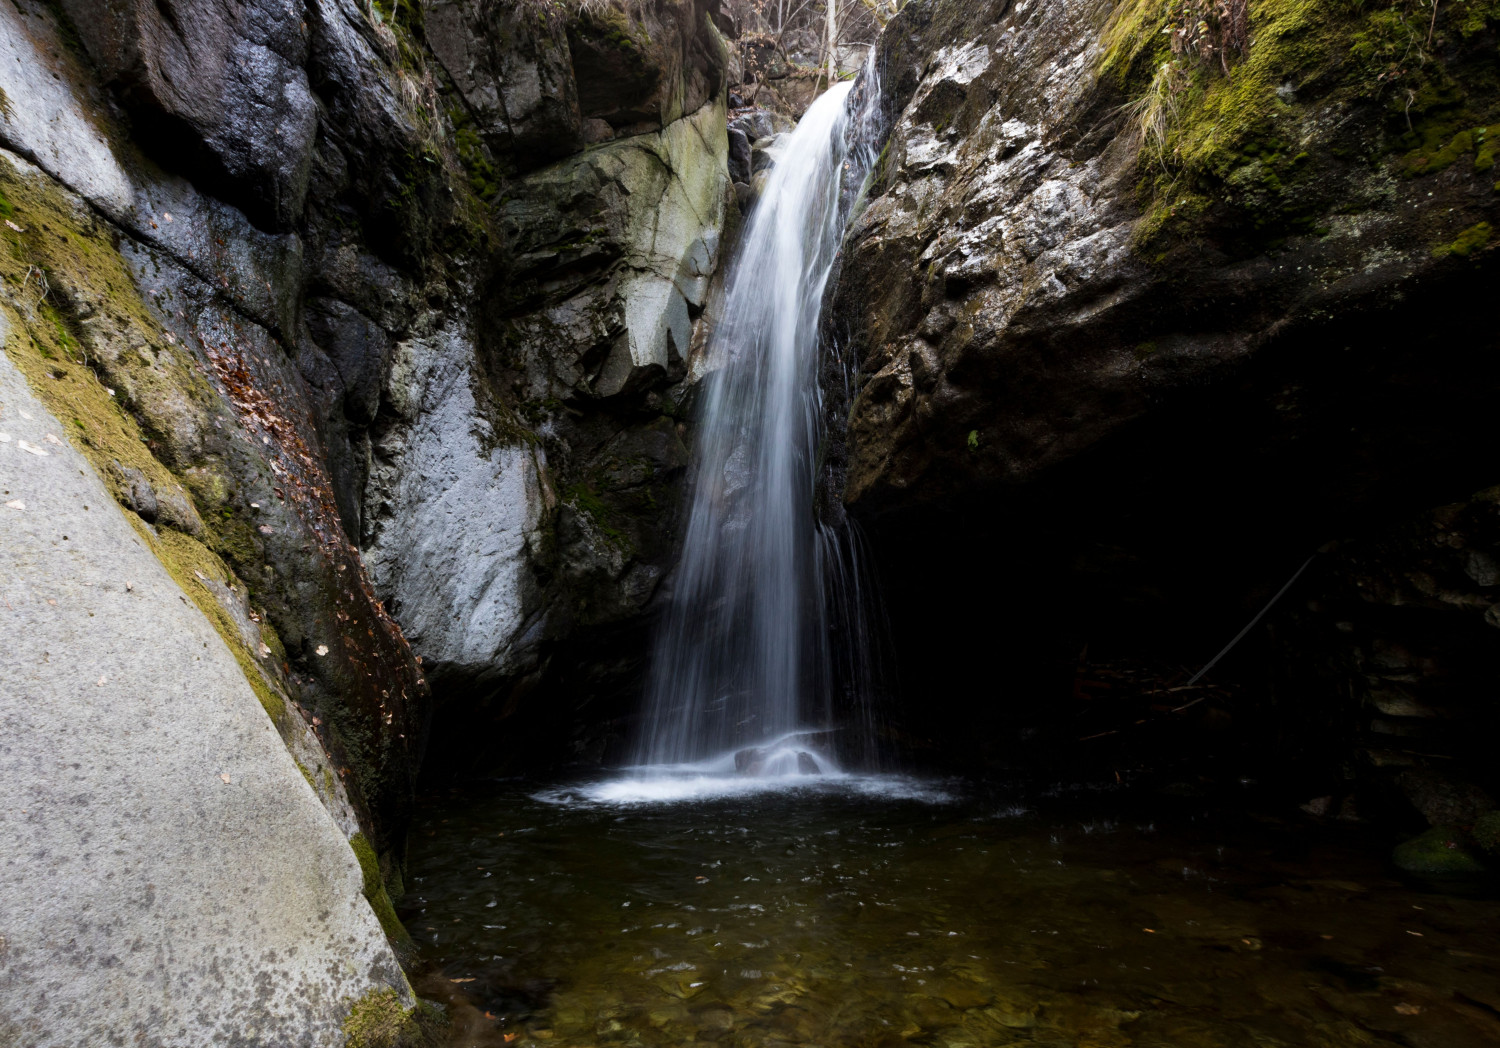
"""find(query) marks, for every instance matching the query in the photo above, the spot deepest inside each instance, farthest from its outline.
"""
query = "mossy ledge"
(1227, 134)
(379, 1020)
(379, 899)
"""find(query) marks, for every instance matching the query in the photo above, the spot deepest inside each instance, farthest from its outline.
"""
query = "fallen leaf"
(264, 530)
(1417, 934)
(1409, 1009)
(701, 880)
(224, 776)
(1149, 931)
(50, 439)
(26, 445)
(470, 979)
(12, 225)
(322, 649)
(15, 504)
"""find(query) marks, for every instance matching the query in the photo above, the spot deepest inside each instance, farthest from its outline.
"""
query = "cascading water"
(745, 668)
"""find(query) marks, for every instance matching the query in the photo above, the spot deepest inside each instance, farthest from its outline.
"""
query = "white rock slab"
(167, 876)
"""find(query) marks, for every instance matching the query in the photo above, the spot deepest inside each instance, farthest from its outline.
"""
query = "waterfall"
(762, 641)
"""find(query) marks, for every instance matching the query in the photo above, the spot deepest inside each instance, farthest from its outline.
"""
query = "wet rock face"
(514, 73)
(538, 87)
(217, 90)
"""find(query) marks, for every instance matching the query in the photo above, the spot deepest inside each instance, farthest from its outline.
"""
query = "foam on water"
(683, 785)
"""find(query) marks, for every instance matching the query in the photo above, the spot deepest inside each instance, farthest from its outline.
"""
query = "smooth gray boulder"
(167, 875)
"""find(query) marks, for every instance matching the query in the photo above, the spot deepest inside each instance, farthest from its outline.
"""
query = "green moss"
(1486, 832)
(1223, 135)
(587, 500)
(378, 1020)
(60, 368)
(1441, 850)
(378, 898)
(1434, 157)
(1467, 242)
(484, 180)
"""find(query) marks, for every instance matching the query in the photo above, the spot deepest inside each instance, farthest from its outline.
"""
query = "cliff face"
(1148, 308)
(1090, 240)
(374, 320)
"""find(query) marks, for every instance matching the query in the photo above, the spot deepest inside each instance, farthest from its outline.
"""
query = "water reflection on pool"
(890, 912)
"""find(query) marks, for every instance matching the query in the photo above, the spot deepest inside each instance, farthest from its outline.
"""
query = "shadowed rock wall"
(1138, 330)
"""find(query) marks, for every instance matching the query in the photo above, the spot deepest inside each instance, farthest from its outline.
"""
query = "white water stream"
(752, 672)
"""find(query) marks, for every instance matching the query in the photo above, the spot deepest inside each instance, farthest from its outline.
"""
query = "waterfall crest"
(744, 659)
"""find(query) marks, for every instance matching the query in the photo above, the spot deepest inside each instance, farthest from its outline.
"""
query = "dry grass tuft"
(1152, 114)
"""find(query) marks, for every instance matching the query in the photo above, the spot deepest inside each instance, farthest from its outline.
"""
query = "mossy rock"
(1486, 833)
(378, 1020)
(379, 898)
(1441, 849)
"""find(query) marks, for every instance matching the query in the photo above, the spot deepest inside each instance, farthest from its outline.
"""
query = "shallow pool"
(892, 911)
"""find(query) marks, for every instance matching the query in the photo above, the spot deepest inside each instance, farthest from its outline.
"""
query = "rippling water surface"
(885, 912)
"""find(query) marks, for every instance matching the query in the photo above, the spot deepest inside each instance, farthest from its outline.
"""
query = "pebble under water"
(878, 913)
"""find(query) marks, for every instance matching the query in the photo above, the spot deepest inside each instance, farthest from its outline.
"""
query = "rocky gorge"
(372, 331)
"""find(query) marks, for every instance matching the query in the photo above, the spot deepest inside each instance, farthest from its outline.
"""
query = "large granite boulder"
(169, 874)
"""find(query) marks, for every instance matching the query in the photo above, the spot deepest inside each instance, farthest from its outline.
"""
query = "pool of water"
(879, 913)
